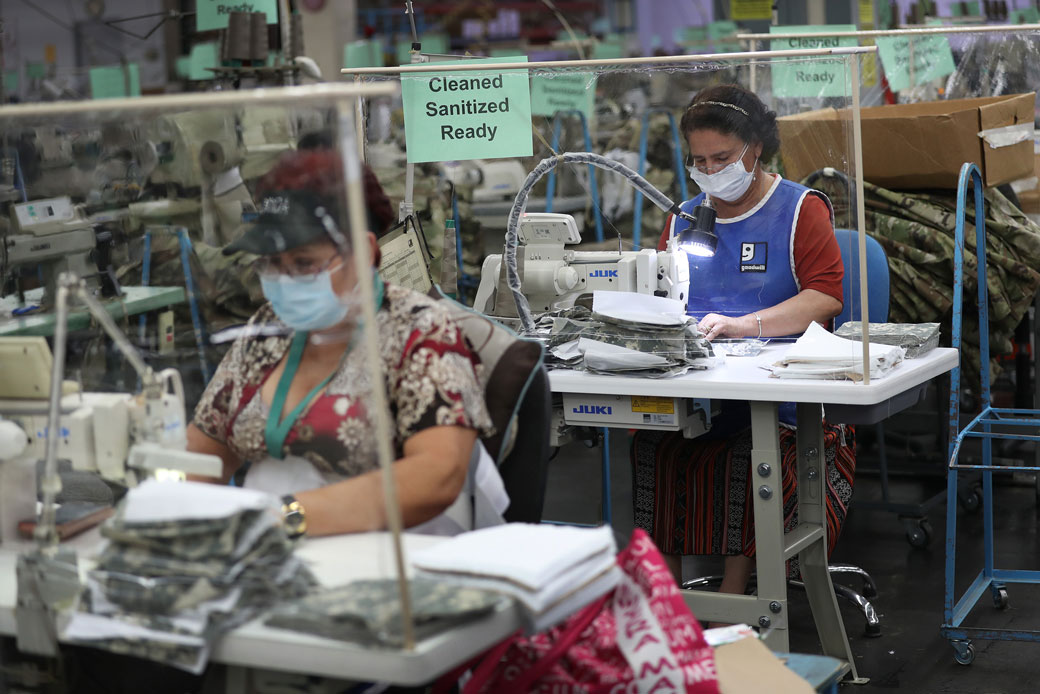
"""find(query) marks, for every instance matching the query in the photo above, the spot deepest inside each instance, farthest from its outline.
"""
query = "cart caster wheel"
(964, 652)
(919, 533)
(872, 631)
(972, 501)
(1000, 598)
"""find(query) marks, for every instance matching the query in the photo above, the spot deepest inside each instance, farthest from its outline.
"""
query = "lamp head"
(698, 238)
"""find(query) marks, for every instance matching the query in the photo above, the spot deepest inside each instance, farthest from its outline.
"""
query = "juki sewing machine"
(53, 235)
(553, 276)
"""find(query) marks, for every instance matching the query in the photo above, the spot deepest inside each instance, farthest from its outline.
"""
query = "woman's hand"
(714, 325)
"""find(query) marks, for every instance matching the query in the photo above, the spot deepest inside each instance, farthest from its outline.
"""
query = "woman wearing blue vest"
(776, 269)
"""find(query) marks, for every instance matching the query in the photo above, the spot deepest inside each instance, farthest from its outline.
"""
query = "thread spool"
(296, 38)
(258, 44)
(238, 35)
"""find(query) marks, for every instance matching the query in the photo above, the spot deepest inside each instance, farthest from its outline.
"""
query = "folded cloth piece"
(820, 354)
(370, 611)
(556, 590)
(155, 502)
(632, 307)
(526, 554)
(916, 338)
(605, 357)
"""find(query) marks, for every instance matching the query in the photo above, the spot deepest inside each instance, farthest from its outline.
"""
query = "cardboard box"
(748, 666)
(912, 146)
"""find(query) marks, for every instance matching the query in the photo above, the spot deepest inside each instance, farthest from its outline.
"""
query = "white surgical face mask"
(729, 183)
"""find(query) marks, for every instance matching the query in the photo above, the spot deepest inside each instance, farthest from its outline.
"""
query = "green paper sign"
(11, 81)
(798, 78)
(363, 54)
(203, 55)
(213, 14)
(1030, 15)
(115, 82)
(431, 43)
(35, 71)
(932, 59)
(564, 92)
(183, 66)
(722, 30)
(609, 49)
(452, 116)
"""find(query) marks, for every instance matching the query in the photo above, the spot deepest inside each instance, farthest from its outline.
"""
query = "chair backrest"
(516, 389)
(877, 279)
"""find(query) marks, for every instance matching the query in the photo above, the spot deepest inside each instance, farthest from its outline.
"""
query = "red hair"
(320, 171)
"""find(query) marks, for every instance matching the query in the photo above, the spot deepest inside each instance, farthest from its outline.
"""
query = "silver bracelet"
(759, 319)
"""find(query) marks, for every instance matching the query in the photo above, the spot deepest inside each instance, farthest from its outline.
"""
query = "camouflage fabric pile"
(915, 338)
(164, 589)
(679, 348)
(917, 233)
(369, 612)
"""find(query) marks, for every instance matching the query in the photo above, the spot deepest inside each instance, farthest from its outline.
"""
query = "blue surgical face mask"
(305, 303)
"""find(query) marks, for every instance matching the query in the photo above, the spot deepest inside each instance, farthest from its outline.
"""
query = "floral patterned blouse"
(431, 380)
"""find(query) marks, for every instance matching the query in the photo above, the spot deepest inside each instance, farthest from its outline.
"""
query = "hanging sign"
(932, 59)
(452, 116)
(798, 78)
(115, 82)
(563, 92)
(213, 14)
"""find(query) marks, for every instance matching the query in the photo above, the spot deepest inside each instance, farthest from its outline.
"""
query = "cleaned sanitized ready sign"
(468, 115)
(799, 78)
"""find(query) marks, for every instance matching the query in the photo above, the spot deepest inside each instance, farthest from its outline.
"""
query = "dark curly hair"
(751, 121)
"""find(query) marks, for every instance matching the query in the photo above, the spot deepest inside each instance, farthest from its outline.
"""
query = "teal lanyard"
(275, 431)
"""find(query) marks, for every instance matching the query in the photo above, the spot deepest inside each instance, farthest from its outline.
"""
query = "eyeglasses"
(718, 165)
(299, 268)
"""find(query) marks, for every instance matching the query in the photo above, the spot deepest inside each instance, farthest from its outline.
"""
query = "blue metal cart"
(991, 423)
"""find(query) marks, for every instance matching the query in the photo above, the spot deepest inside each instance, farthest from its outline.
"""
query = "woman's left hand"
(714, 325)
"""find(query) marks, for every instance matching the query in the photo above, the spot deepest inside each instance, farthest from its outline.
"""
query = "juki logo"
(603, 273)
(592, 409)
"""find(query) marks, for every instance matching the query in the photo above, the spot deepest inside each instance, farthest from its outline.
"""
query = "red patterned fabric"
(640, 638)
(431, 380)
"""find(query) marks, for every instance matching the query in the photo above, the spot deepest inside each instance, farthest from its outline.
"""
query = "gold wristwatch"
(294, 518)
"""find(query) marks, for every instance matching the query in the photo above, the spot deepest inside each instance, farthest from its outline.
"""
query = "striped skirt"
(693, 496)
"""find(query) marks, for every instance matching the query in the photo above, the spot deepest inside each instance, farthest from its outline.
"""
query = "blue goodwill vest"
(752, 269)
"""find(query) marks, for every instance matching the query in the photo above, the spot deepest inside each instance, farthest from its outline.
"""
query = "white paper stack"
(551, 570)
(819, 354)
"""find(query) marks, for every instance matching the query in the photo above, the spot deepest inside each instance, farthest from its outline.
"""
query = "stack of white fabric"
(551, 570)
(819, 354)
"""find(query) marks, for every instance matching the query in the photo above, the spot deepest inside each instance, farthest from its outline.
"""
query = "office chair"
(516, 389)
(877, 297)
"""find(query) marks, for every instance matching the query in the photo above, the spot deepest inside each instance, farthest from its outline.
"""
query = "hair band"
(723, 104)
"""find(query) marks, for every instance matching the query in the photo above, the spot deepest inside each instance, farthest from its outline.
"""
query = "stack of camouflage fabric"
(185, 562)
(579, 338)
(916, 338)
(369, 611)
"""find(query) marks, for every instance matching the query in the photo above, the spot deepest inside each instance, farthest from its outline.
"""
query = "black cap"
(288, 219)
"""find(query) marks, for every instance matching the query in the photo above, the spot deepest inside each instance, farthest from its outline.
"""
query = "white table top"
(742, 378)
(334, 561)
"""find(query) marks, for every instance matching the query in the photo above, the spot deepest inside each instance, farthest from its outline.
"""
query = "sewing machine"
(553, 276)
(493, 180)
(53, 235)
(119, 436)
